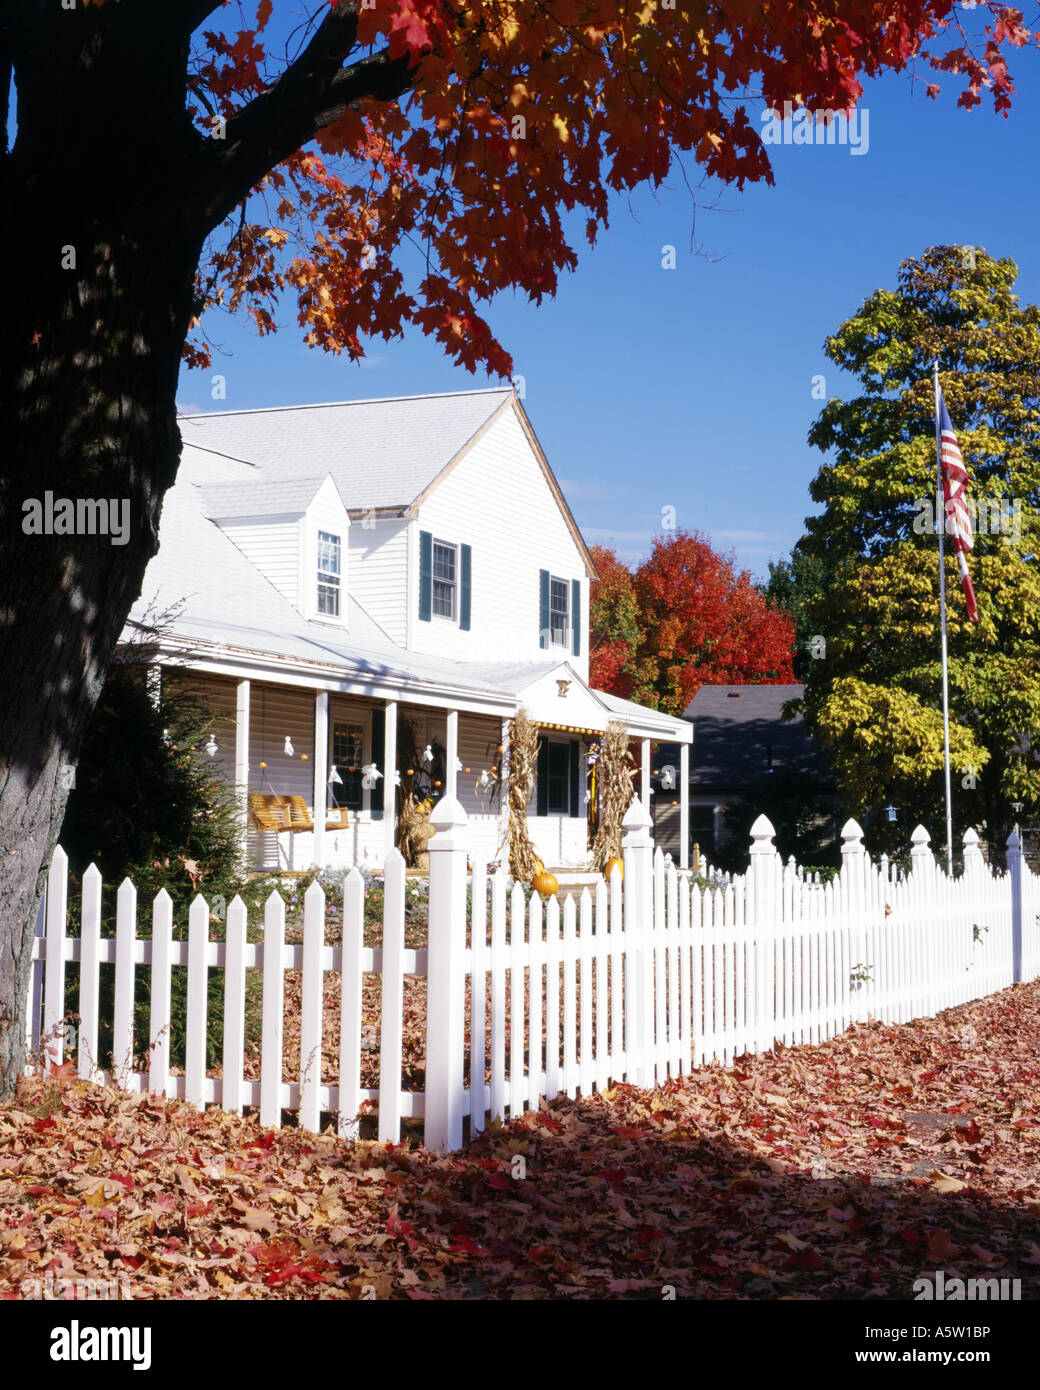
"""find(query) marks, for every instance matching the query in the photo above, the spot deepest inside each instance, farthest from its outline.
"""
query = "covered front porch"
(322, 773)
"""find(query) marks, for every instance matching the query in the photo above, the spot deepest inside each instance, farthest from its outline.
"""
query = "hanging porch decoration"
(524, 864)
(615, 771)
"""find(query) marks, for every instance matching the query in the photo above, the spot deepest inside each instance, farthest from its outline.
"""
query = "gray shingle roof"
(739, 731)
(381, 454)
(227, 501)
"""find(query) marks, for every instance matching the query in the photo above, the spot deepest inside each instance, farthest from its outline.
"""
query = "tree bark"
(97, 284)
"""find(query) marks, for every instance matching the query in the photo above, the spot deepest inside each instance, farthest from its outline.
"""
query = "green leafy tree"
(875, 693)
(792, 586)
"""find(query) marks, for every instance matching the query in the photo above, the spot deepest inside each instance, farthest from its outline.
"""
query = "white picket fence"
(643, 980)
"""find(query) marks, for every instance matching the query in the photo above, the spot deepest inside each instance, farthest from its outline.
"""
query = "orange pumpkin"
(545, 884)
(609, 868)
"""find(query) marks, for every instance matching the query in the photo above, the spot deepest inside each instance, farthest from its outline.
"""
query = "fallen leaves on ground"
(844, 1170)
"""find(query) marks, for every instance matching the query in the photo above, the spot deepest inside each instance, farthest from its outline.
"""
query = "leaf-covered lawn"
(838, 1171)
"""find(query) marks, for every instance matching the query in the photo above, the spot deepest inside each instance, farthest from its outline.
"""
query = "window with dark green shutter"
(425, 576)
(577, 800)
(466, 584)
(543, 609)
(576, 617)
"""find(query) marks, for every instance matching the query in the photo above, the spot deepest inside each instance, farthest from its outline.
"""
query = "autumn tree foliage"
(874, 693)
(388, 164)
(684, 618)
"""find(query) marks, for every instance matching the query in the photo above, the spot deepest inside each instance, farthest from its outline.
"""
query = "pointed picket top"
(392, 859)
(354, 876)
(59, 863)
(919, 851)
(93, 874)
(275, 896)
(236, 901)
(448, 813)
(161, 898)
(1013, 842)
(314, 892)
(637, 817)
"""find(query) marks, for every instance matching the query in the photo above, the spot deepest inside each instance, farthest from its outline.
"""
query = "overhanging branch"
(312, 93)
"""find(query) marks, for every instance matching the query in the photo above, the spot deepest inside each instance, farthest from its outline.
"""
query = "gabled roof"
(382, 454)
(237, 501)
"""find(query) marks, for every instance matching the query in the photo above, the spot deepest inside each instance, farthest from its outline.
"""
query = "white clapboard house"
(345, 571)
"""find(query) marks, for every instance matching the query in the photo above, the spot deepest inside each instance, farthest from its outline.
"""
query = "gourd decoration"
(546, 885)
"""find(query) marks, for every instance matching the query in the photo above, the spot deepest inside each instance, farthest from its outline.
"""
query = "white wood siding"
(379, 573)
(498, 501)
(273, 546)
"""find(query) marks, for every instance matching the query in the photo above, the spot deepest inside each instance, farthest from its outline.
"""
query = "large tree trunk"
(96, 286)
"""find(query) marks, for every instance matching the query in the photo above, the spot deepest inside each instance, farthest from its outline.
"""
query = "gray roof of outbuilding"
(382, 454)
(256, 497)
(739, 731)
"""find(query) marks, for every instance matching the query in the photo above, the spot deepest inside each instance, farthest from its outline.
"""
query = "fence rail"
(642, 980)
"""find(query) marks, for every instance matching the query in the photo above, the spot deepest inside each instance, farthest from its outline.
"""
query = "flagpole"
(942, 617)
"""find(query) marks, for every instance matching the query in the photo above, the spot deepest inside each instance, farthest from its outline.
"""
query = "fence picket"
(159, 1009)
(351, 981)
(478, 997)
(272, 1008)
(392, 1001)
(499, 889)
(234, 1006)
(54, 979)
(198, 996)
(89, 942)
(311, 1006)
(123, 1020)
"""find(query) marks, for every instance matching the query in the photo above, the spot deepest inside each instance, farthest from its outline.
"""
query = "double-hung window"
(445, 580)
(328, 575)
(559, 613)
(348, 757)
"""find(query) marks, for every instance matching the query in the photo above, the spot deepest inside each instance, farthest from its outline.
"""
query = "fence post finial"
(920, 854)
(445, 977)
(973, 860)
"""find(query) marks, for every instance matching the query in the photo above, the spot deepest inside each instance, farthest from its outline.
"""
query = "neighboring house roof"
(382, 454)
(739, 732)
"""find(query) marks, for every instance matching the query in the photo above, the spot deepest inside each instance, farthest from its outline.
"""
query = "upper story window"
(445, 580)
(329, 573)
(559, 610)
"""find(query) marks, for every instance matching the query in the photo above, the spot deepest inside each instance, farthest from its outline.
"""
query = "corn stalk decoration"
(524, 864)
(615, 770)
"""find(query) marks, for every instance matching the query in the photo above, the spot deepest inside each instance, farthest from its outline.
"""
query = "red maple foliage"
(684, 619)
(469, 130)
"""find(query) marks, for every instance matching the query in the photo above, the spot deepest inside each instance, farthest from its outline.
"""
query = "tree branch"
(312, 93)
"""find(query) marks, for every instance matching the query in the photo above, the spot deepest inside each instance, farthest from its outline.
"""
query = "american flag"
(955, 491)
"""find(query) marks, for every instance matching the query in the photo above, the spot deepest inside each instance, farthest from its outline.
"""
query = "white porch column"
(390, 777)
(321, 773)
(503, 793)
(684, 805)
(644, 794)
(451, 753)
(242, 757)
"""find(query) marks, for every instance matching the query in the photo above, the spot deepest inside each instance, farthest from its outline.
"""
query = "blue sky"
(692, 388)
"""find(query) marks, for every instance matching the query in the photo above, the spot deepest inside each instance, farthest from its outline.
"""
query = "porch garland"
(615, 771)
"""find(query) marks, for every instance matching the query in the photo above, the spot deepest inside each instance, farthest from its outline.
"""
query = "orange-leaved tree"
(388, 163)
(685, 618)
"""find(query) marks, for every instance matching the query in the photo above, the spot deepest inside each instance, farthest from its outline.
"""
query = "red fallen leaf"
(464, 1246)
(65, 1071)
(49, 1123)
(500, 1182)
(648, 1233)
(37, 1190)
(199, 1208)
(124, 1178)
(805, 1259)
(398, 1228)
(615, 1176)
(628, 1132)
(912, 1236)
(967, 1134)
(265, 1141)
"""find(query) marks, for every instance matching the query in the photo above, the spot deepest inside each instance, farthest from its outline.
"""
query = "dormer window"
(445, 580)
(329, 573)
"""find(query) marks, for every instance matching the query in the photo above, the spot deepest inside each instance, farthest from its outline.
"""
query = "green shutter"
(466, 567)
(577, 800)
(425, 576)
(543, 609)
(378, 739)
(542, 795)
(576, 617)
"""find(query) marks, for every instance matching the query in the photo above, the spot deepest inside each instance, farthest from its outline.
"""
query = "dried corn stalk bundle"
(414, 831)
(615, 771)
(523, 770)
